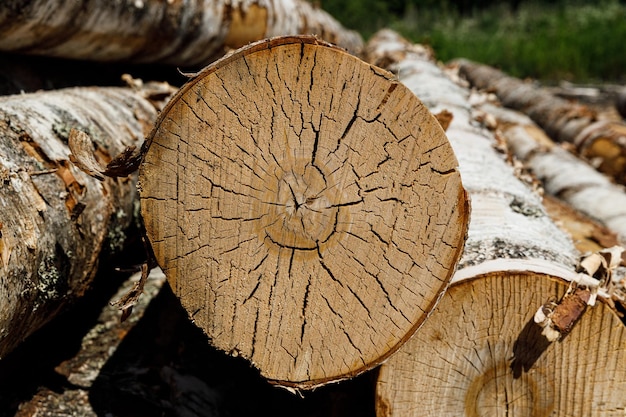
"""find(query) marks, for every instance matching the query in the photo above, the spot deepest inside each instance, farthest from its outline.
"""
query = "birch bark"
(182, 33)
(562, 173)
(600, 142)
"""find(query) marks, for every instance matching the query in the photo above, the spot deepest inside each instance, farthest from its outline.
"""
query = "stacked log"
(184, 34)
(56, 222)
(562, 173)
(311, 215)
(483, 350)
(314, 209)
(601, 142)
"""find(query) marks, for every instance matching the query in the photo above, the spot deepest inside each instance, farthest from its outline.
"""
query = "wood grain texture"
(305, 207)
(481, 354)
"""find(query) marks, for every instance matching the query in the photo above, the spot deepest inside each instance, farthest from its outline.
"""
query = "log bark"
(305, 207)
(562, 173)
(481, 351)
(148, 31)
(587, 233)
(600, 142)
(55, 221)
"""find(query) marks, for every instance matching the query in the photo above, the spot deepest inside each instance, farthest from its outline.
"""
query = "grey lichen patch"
(117, 232)
(522, 207)
(477, 252)
(52, 275)
(63, 128)
(48, 277)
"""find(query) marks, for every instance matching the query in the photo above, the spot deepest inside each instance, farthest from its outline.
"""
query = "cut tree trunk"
(56, 221)
(178, 33)
(481, 351)
(563, 174)
(601, 142)
(305, 207)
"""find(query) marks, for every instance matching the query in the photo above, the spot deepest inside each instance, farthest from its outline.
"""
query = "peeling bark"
(600, 142)
(149, 31)
(305, 207)
(56, 222)
(481, 351)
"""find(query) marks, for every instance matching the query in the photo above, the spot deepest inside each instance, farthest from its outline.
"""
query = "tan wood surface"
(306, 208)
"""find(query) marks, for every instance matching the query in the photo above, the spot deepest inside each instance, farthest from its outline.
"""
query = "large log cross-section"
(306, 208)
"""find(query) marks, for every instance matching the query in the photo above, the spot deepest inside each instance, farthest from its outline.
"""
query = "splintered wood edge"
(462, 204)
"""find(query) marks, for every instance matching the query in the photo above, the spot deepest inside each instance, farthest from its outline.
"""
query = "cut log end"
(501, 364)
(306, 208)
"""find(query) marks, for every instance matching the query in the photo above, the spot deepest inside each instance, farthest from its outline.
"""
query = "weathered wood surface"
(562, 173)
(481, 352)
(306, 208)
(601, 142)
(178, 33)
(55, 221)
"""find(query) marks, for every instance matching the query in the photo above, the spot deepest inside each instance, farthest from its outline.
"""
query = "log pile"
(600, 142)
(308, 201)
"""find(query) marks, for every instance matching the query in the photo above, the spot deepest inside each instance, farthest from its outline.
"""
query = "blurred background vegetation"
(551, 40)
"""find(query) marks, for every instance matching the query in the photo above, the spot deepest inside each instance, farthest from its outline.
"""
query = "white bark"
(56, 221)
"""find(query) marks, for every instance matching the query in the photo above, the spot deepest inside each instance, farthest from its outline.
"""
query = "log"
(56, 222)
(188, 34)
(562, 173)
(495, 345)
(601, 142)
(305, 208)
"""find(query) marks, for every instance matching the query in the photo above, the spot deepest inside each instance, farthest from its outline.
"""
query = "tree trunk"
(562, 173)
(305, 207)
(481, 351)
(56, 221)
(178, 33)
(600, 142)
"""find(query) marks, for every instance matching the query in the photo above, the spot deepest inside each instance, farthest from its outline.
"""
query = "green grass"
(579, 42)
